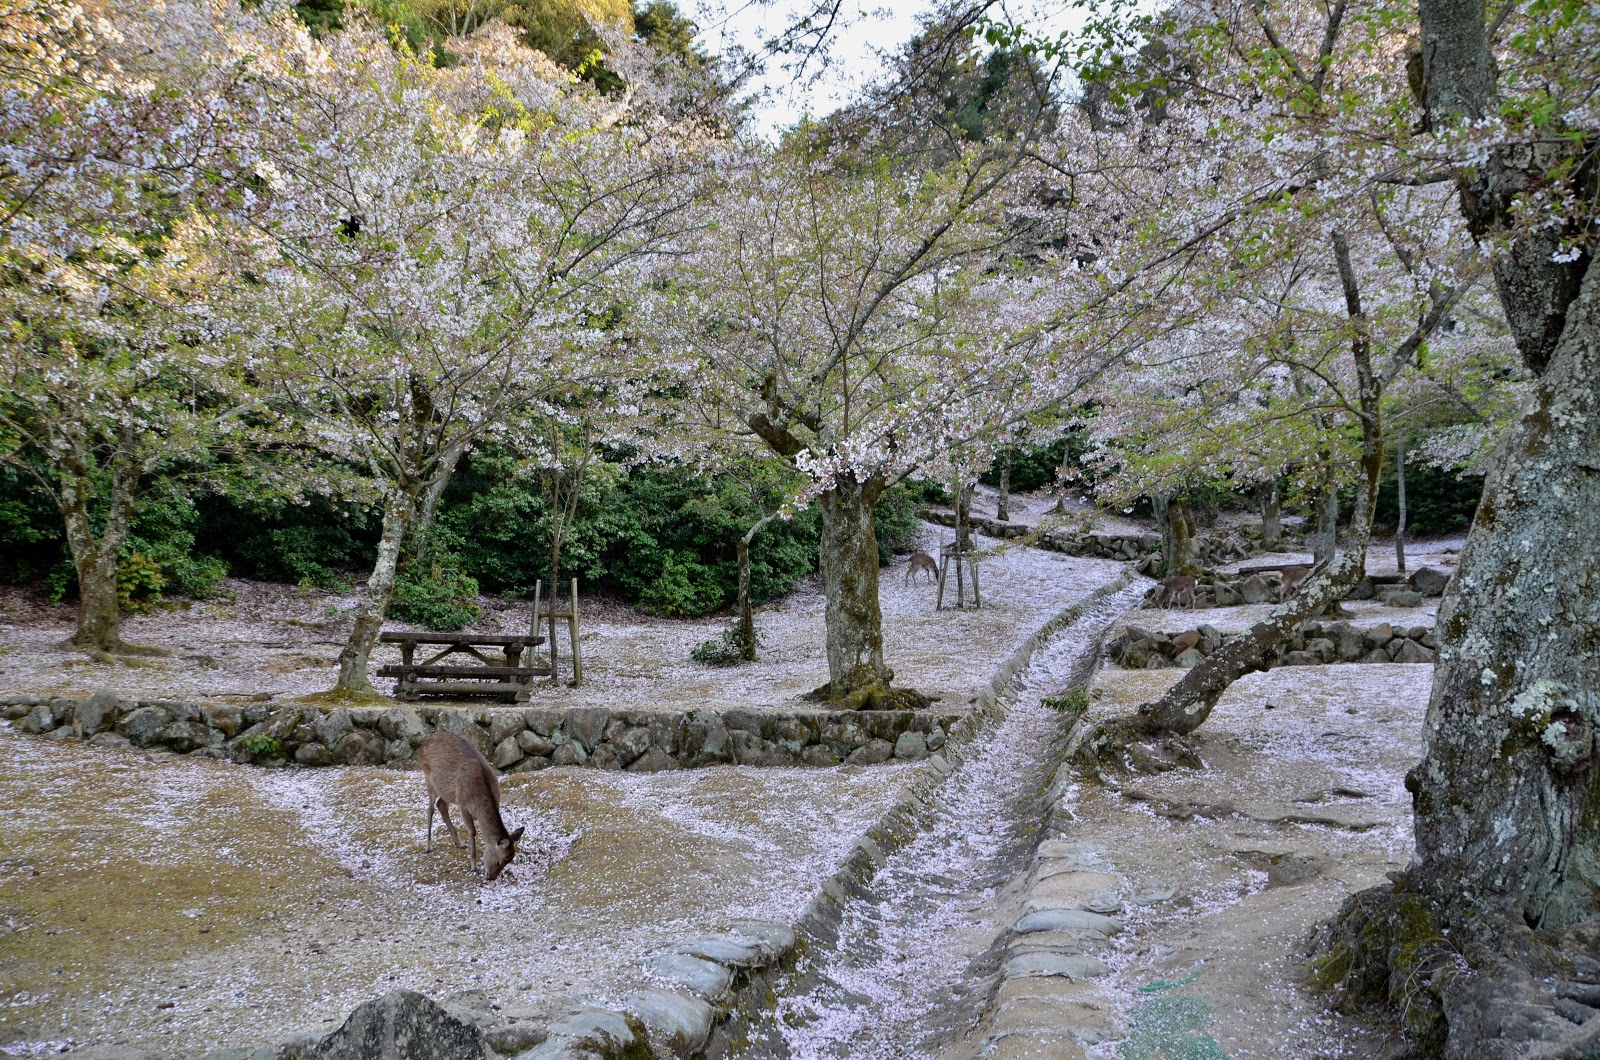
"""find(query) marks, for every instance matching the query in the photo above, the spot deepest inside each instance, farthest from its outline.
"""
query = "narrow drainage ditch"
(916, 952)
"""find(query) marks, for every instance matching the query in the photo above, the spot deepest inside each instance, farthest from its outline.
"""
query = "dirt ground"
(1229, 869)
(182, 904)
(267, 640)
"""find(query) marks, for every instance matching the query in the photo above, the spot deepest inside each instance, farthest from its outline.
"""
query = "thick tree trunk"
(95, 560)
(1271, 517)
(1507, 795)
(1177, 533)
(747, 613)
(1002, 506)
(849, 561)
(399, 514)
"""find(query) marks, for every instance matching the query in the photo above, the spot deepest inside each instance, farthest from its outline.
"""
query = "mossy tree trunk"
(849, 562)
(1177, 533)
(399, 515)
(1507, 794)
(1002, 505)
(95, 557)
(747, 611)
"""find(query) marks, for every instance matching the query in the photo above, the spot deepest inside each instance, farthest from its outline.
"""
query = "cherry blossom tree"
(860, 325)
(439, 250)
(119, 146)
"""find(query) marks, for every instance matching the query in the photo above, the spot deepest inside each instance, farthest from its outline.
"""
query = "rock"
(302, 1046)
(226, 718)
(403, 1025)
(507, 753)
(532, 743)
(1189, 657)
(588, 1033)
(819, 756)
(97, 713)
(40, 719)
(144, 725)
(1225, 597)
(1377, 636)
(587, 724)
(703, 739)
(1412, 652)
(1184, 641)
(570, 753)
(1135, 653)
(403, 723)
(1298, 658)
(65, 732)
(936, 737)
(227, 1054)
(461, 722)
(399, 750)
(109, 739)
(1210, 638)
(1376, 655)
(1321, 648)
(871, 754)
(1429, 582)
(313, 754)
(1350, 645)
(333, 727)
(631, 743)
(912, 746)
(504, 725)
(362, 747)
(675, 1024)
(1068, 920)
(707, 978)
(1254, 590)
(727, 950)
(605, 757)
(654, 760)
(1042, 964)
(1401, 598)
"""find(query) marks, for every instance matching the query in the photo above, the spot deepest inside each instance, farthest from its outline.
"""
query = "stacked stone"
(1231, 590)
(515, 739)
(670, 1012)
(1316, 643)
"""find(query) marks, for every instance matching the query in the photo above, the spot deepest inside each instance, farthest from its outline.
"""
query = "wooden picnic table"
(504, 677)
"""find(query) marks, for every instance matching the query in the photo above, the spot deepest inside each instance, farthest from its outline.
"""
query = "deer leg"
(472, 832)
(430, 822)
(444, 811)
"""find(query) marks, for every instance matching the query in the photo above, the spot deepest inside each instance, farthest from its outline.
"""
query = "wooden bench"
(505, 677)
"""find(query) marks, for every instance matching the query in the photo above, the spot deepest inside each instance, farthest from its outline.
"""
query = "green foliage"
(164, 532)
(272, 540)
(260, 745)
(433, 589)
(895, 519)
(1076, 701)
(725, 649)
(139, 582)
(1437, 501)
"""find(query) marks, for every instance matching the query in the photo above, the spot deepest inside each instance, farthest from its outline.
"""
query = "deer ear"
(517, 834)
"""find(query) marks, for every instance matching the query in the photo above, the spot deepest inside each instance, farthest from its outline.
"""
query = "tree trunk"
(849, 561)
(1177, 534)
(1002, 505)
(1400, 503)
(99, 625)
(1327, 538)
(1271, 518)
(399, 514)
(1507, 795)
(747, 614)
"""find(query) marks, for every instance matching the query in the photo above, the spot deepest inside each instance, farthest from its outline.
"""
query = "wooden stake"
(572, 627)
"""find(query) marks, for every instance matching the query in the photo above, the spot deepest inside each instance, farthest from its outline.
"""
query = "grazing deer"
(1292, 577)
(455, 772)
(1176, 588)
(922, 561)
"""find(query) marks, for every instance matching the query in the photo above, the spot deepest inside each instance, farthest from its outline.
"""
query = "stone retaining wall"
(515, 739)
(1142, 549)
(1230, 590)
(1142, 649)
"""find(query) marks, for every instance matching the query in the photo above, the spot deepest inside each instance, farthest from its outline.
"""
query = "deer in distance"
(921, 561)
(1176, 588)
(1292, 577)
(456, 774)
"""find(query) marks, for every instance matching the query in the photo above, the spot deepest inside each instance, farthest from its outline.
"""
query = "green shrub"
(1437, 501)
(435, 592)
(725, 649)
(1076, 701)
(139, 581)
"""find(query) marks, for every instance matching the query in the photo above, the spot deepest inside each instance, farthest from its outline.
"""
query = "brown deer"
(1176, 588)
(922, 561)
(1292, 577)
(455, 772)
